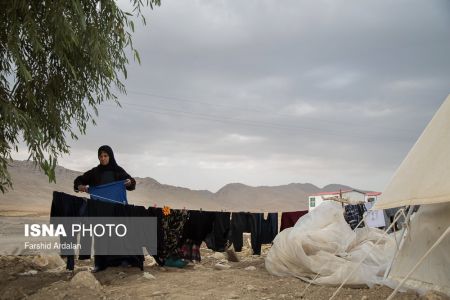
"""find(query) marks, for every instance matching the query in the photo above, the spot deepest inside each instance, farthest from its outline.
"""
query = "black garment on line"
(198, 225)
(246, 222)
(353, 214)
(85, 241)
(106, 209)
(65, 205)
(144, 238)
(157, 212)
(217, 240)
(269, 228)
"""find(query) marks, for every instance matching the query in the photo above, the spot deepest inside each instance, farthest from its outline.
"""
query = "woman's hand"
(83, 188)
(127, 182)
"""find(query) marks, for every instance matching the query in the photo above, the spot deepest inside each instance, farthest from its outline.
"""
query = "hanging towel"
(111, 192)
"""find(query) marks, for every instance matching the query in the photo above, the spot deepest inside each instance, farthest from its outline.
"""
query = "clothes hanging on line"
(198, 225)
(110, 192)
(179, 234)
(269, 228)
(190, 251)
(102, 244)
(65, 205)
(172, 228)
(217, 239)
(353, 214)
(246, 222)
(288, 219)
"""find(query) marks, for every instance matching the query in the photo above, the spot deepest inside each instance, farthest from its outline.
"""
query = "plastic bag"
(322, 242)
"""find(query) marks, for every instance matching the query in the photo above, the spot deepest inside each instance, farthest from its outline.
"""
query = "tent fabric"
(423, 177)
(426, 226)
(322, 242)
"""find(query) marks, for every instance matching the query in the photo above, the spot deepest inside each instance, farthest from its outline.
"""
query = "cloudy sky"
(273, 92)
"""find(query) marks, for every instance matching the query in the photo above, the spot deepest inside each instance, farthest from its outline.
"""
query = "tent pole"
(439, 240)
(402, 240)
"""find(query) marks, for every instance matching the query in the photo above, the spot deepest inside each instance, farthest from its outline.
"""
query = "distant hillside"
(33, 192)
(289, 197)
(335, 187)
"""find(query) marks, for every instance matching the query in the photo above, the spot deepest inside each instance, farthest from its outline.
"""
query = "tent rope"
(357, 266)
(310, 282)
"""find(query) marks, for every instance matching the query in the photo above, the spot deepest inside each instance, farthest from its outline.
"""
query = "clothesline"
(109, 200)
(184, 208)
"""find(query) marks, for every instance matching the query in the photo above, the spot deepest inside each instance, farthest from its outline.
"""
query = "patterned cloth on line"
(354, 214)
(172, 227)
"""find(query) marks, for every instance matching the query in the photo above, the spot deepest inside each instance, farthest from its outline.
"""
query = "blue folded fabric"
(175, 263)
(110, 192)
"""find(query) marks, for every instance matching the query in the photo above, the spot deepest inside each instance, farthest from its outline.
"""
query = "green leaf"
(136, 55)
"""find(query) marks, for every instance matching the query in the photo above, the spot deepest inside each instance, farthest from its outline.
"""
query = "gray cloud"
(268, 92)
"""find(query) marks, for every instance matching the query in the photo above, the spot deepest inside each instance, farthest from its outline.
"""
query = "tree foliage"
(58, 61)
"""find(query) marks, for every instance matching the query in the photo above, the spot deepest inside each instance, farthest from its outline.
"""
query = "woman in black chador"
(106, 172)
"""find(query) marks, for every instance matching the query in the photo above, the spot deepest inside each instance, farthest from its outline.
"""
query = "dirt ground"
(247, 279)
(45, 277)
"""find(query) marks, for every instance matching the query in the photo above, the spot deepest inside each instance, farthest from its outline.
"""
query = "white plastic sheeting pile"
(322, 242)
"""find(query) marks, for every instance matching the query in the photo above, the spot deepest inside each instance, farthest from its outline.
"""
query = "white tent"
(423, 179)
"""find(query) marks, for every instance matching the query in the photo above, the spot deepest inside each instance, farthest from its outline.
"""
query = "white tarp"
(322, 242)
(423, 177)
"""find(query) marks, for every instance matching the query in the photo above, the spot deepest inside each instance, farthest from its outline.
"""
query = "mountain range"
(32, 192)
